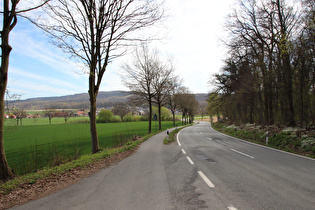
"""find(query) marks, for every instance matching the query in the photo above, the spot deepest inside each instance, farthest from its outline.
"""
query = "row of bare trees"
(269, 74)
(152, 79)
(92, 32)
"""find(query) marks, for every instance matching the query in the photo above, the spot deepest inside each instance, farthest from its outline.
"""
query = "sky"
(193, 30)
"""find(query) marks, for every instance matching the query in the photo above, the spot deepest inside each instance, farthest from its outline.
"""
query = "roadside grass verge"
(173, 134)
(286, 141)
(81, 162)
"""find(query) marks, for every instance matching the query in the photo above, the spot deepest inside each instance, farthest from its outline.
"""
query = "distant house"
(81, 113)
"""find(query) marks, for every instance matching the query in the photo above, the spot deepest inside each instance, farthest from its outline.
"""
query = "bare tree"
(202, 109)
(9, 17)
(50, 113)
(35, 117)
(121, 110)
(139, 76)
(19, 115)
(257, 83)
(182, 99)
(162, 85)
(94, 32)
(175, 85)
(65, 114)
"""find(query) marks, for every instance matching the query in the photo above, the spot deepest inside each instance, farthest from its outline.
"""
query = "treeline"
(268, 76)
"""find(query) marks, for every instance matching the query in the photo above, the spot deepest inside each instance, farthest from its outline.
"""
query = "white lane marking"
(191, 162)
(178, 139)
(184, 151)
(259, 145)
(200, 132)
(242, 153)
(207, 181)
(209, 138)
(232, 208)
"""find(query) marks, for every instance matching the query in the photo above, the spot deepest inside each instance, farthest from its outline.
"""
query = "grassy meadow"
(45, 121)
(32, 147)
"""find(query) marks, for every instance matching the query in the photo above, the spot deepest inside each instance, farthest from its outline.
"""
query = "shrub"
(128, 117)
(105, 116)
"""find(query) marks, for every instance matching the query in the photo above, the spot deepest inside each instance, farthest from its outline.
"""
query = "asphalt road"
(202, 170)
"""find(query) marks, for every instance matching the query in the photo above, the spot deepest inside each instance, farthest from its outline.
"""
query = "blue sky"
(39, 69)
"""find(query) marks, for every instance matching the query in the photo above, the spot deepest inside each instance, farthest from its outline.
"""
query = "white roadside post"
(267, 137)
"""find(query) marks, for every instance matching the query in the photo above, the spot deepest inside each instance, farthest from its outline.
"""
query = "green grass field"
(30, 148)
(45, 121)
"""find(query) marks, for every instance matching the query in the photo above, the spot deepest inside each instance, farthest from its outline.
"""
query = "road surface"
(202, 170)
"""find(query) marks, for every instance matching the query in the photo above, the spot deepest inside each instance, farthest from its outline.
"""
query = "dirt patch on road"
(45, 186)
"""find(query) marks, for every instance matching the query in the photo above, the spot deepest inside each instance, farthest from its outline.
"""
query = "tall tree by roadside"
(96, 31)
(139, 76)
(9, 18)
(162, 85)
(267, 76)
(175, 85)
(187, 104)
(214, 105)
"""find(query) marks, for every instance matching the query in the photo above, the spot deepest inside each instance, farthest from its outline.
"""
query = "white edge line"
(183, 151)
(232, 208)
(178, 136)
(191, 162)
(178, 139)
(263, 146)
(206, 180)
(234, 150)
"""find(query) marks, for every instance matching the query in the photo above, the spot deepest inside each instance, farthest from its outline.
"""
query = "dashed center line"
(202, 175)
(191, 162)
(207, 181)
(242, 153)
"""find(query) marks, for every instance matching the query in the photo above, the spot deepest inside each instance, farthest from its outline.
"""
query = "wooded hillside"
(80, 101)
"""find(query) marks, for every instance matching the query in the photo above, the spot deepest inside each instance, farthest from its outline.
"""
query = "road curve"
(250, 176)
(203, 170)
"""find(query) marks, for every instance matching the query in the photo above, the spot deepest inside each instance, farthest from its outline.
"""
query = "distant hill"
(80, 101)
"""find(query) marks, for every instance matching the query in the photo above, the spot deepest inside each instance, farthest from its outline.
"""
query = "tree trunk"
(160, 120)
(289, 90)
(93, 95)
(287, 69)
(5, 171)
(92, 115)
(150, 115)
(173, 113)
